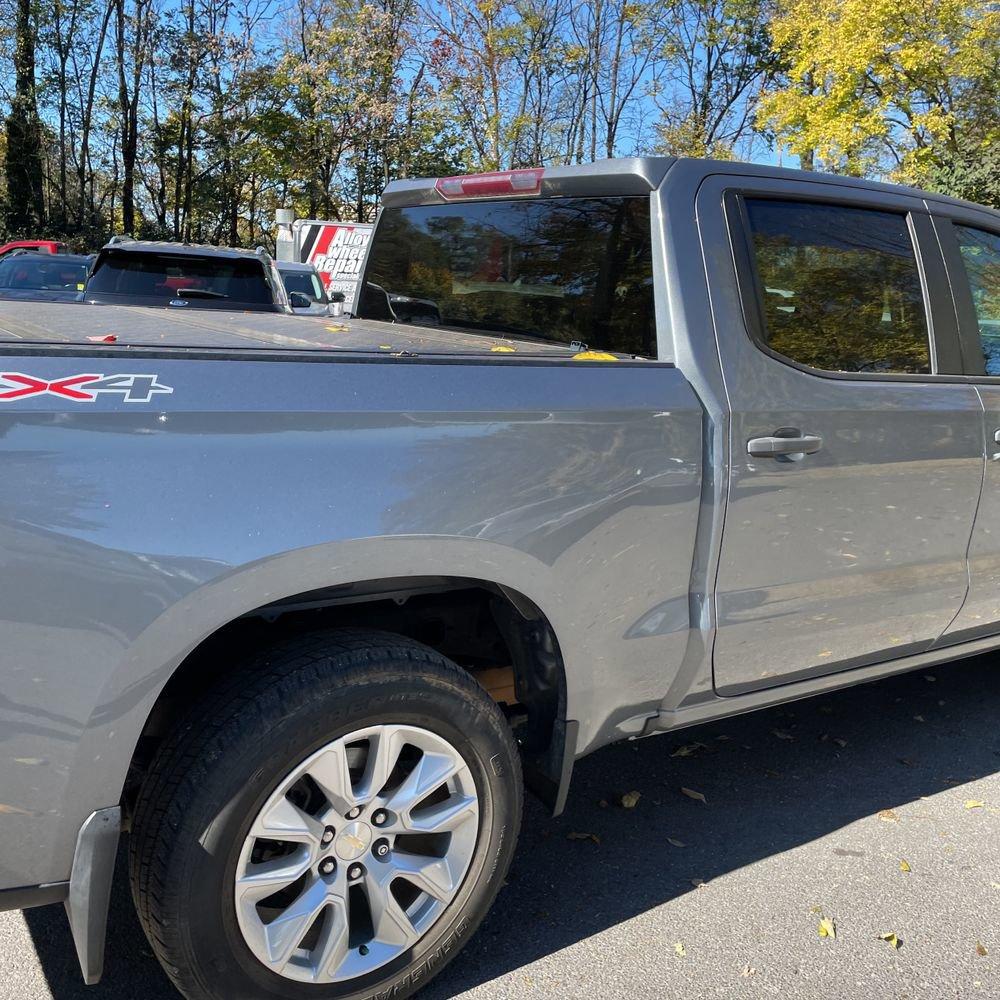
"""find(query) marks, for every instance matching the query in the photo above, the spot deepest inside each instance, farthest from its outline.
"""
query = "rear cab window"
(838, 287)
(563, 270)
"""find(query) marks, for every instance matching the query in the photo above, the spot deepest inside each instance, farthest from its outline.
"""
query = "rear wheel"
(334, 822)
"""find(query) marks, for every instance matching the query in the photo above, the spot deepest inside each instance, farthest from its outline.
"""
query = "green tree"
(25, 206)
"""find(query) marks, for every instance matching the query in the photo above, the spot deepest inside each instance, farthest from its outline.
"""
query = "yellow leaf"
(679, 948)
(631, 799)
(888, 816)
(594, 356)
(974, 804)
(981, 949)
(339, 328)
(827, 928)
(890, 939)
(583, 836)
(692, 794)
(904, 866)
(503, 349)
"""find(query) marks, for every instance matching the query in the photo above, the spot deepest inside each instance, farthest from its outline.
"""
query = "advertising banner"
(336, 250)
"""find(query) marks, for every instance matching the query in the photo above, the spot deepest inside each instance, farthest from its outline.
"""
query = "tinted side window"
(840, 287)
(558, 269)
(981, 256)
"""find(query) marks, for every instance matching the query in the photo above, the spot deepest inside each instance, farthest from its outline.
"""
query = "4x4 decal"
(81, 388)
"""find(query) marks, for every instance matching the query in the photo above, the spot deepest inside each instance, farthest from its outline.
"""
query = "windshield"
(203, 280)
(51, 273)
(306, 282)
(558, 269)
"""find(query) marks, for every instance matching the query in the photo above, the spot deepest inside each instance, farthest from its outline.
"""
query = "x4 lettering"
(81, 388)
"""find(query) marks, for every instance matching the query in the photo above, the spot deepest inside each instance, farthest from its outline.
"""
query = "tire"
(223, 776)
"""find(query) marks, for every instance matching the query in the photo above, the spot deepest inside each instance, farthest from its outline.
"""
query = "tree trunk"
(23, 165)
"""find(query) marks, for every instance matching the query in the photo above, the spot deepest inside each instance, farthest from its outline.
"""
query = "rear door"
(855, 464)
(971, 242)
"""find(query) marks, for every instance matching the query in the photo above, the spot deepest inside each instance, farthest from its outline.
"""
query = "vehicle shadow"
(773, 780)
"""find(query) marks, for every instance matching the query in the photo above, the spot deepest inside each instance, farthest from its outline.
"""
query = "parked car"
(186, 276)
(304, 287)
(42, 246)
(43, 276)
(690, 438)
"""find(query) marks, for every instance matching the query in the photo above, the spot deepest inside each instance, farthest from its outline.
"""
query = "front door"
(855, 468)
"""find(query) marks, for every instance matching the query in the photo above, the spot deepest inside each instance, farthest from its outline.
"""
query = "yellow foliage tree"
(877, 83)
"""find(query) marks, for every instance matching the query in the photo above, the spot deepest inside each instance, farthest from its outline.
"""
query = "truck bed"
(83, 325)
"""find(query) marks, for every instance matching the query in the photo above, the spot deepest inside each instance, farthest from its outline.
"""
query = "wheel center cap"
(353, 841)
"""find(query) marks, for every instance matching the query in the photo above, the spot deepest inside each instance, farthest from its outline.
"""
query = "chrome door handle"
(785, 442)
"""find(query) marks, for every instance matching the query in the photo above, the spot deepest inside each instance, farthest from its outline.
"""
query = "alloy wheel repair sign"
(337, 250)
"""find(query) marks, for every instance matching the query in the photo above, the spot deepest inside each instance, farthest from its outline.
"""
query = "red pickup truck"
(41, 246)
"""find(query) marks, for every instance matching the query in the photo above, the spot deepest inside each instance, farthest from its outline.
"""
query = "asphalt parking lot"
(810, 812)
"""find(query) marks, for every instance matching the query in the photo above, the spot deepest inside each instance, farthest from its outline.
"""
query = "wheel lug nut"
(355, 871)
(381, 848)
(328, 834)
(327, 866)
(380, 817)
(354, 813)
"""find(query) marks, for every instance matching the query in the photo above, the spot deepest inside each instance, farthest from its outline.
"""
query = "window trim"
(961, 288)
(943, 340)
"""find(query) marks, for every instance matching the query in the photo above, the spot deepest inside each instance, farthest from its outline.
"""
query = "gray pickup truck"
(301, 604)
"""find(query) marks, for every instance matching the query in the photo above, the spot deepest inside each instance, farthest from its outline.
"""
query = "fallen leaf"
(816, 909)
(583, 836)
(829, 652)
(904, 866)
(111, 338)
(906, 762)
(827, 928)
(676, 843)
(631, 799)
(603, 803)
(770, 773)
(338, 328)
(688, 750)
(13, 810)
(919, 718)
(888, 816)
(692, 794)
(29, 760)
(503, 349)
(930, 677)
(974, 804)
(679, 948)
(748, 971)
(890, 938)
(699, 883)
(981, 949)
(840, 743)
(782, 735)
(723, 738)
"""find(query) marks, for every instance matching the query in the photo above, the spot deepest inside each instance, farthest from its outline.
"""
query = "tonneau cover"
(86, 325)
